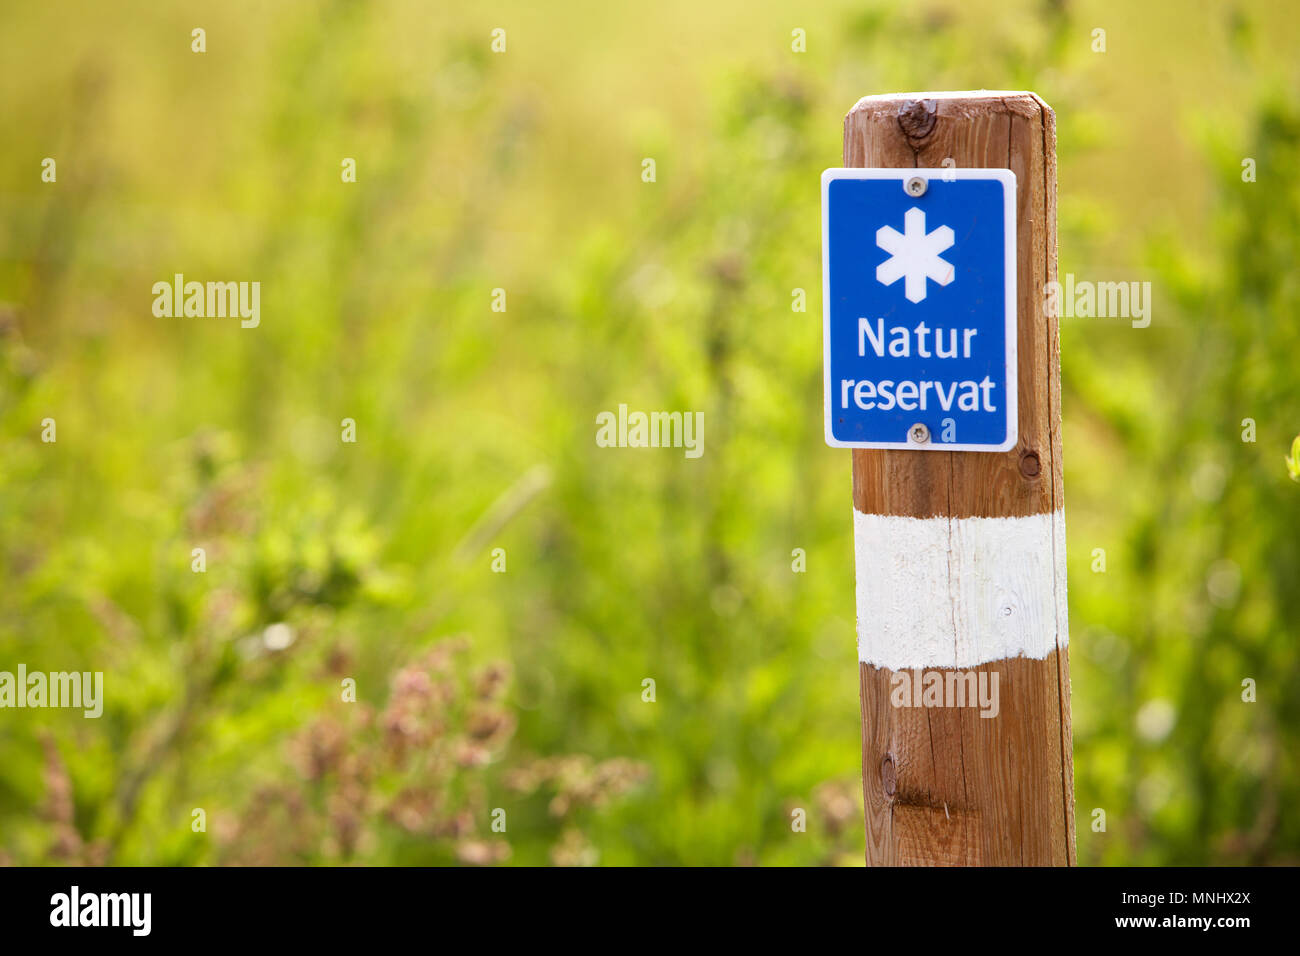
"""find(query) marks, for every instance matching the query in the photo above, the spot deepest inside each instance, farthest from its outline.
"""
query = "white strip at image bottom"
(959, 592)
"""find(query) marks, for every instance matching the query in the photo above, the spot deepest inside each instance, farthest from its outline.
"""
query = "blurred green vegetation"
(372, 562)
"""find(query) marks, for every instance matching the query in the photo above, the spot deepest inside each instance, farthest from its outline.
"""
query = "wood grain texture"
(943, 785)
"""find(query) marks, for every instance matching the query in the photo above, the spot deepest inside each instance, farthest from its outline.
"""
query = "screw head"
(915, 186)
(918, 433)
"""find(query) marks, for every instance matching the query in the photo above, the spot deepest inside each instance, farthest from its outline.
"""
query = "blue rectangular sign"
(919, 299)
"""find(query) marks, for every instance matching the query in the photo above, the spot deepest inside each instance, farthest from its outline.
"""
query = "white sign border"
(1008, 179)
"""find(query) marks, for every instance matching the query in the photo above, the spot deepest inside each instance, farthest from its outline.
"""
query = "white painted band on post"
(958, 592)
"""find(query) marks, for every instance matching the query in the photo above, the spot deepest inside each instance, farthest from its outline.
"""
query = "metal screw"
(916, 186)
(918, 433)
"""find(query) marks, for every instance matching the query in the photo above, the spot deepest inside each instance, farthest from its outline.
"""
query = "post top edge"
(877, 99)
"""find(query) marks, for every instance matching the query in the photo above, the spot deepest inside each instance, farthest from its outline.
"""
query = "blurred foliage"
(330, 562)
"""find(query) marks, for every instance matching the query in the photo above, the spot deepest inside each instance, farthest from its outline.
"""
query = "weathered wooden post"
(960, 553)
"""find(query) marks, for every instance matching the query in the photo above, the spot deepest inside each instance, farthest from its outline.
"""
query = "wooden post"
(969, 545)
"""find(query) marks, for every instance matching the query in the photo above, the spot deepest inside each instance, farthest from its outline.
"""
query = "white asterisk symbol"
(914, 254)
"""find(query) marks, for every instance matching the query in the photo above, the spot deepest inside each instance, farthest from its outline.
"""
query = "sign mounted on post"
(919, 292)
